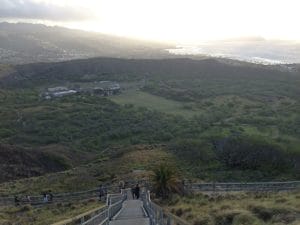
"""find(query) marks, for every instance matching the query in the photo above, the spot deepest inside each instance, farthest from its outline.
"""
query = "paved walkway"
(132, 213)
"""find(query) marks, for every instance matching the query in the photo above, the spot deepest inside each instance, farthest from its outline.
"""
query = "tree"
(165, 181)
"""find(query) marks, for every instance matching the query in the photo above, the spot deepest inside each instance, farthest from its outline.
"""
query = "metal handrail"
(102, 216)
(158, 215)
(252, 186)
(82, 217)
(189, 187)
(115, 208)
(58, 197)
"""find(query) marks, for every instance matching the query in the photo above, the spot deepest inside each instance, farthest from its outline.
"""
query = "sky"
(181, 21)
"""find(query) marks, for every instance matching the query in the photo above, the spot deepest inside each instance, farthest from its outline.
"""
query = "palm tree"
(165, 181)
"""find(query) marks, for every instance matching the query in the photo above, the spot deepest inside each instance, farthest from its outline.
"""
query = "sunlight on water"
(266, 53)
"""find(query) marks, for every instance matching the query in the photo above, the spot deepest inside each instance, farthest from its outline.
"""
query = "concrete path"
(132, 213)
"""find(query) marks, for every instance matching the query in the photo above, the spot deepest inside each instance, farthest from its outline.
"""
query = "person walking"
(101, 192)
(17, 201)
(45, 198)
(121, 185)
(50, 196)
(137, 191)
(28, 198)
(133, 192)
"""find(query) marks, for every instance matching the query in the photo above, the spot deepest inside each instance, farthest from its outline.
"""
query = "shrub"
(273, 213)
(261, 212)
(165, 181)
(286, 218)
(245, 219)
(226, 217)
(25, 208)
(193, 150)
(205, 220)
(179, 212)
(253, 153)
(281, 200)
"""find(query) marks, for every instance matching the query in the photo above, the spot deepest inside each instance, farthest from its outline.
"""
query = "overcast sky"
(176, 20)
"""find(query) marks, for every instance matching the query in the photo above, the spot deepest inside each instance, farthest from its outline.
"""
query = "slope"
(24, 43)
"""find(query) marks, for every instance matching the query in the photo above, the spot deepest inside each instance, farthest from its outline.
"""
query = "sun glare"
(188, 20)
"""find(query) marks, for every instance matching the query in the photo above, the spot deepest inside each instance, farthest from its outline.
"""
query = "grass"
(45, 215)
(135, 158)
(153, 102)
(85, 126)
(227, 112)
(238, 209)
(196, 105)
(160, 108)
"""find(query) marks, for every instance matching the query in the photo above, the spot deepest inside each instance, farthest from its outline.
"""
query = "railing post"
(82, 220)
(161, 217)
(168, 221)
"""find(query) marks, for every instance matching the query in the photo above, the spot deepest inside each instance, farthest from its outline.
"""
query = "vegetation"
(157, 103)
(220, 121)
(165, 181)
(237, 209)
(47, 214)
(20, 162)
(209, 119)
(81, 127)
(131, 163)
(60, 44)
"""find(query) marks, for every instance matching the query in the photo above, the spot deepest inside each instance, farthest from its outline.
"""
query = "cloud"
(29, 9)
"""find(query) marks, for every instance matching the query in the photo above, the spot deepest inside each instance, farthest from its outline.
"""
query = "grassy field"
(46, 215)
(238, 209)
(153, 102)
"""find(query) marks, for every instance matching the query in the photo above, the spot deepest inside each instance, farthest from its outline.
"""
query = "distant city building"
(102, 88)
(57, 89)
(56, 92)
(63, 93)
(107, 88)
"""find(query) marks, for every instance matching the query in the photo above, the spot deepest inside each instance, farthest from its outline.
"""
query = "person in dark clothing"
(121, 185)
(133, 192)
(105, 190)
(101, 192)
(45, 198)
(28, 198)
(50, 195)
(17, 201)
(137, 191)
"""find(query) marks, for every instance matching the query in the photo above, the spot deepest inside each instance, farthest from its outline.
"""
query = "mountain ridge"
(105, 68)
(22, 43)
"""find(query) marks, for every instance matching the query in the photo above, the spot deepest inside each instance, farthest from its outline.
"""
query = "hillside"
(26, 43)
(221, 120)
(95, 69)
(19, 163)
(149, 112)
(130, 163)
